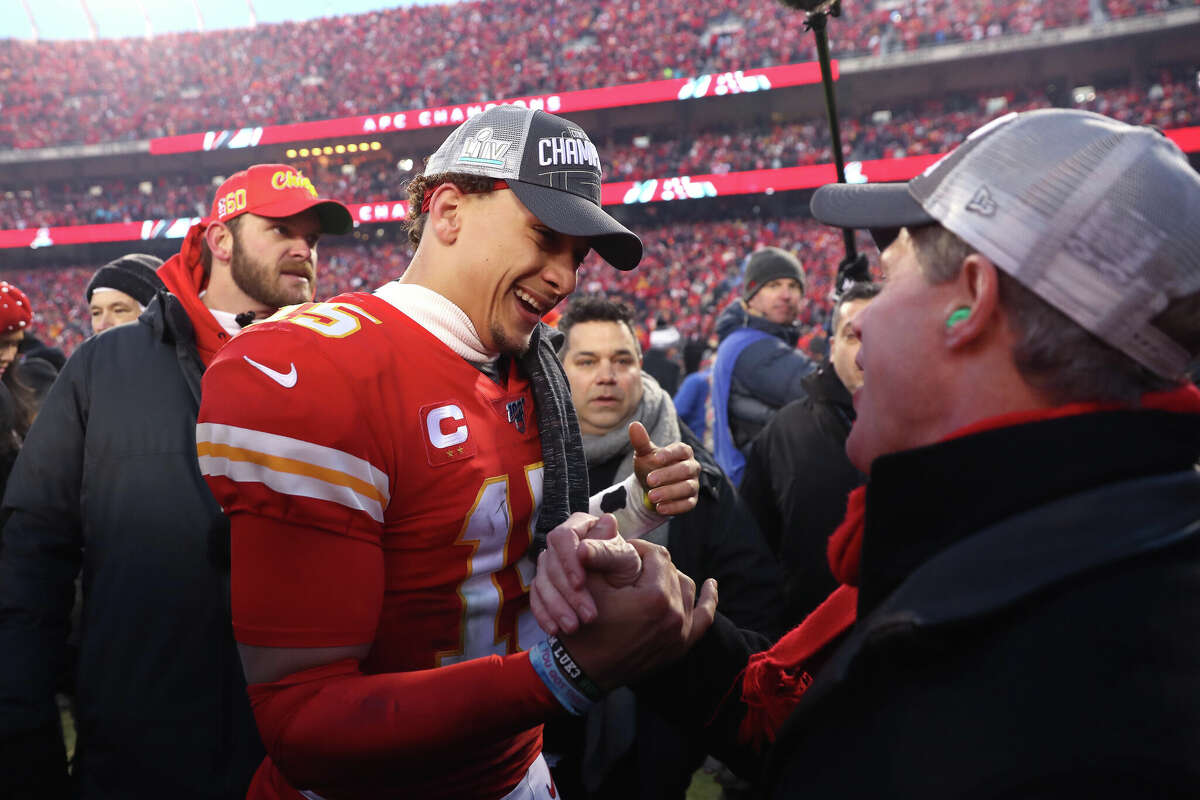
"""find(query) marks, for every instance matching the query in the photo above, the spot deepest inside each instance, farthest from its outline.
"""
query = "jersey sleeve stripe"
(252, 470)
(292, 466)
(289, 465)
(273, 444)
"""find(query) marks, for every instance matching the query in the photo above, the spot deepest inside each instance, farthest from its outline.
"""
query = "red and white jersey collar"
(448, 323)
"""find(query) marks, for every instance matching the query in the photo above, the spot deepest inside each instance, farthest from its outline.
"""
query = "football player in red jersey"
(388, 463)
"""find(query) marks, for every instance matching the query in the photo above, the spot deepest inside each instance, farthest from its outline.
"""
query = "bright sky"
(64, 19)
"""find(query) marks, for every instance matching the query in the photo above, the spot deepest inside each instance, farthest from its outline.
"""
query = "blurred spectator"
(758, 368)
(662, 359)
(23, 378)
(120, 290)
(797, 473)
(691, 400)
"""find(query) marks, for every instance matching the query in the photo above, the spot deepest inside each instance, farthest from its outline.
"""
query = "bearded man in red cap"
(108, 483)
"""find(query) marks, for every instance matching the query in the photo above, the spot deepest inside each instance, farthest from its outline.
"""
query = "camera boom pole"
(816, 21)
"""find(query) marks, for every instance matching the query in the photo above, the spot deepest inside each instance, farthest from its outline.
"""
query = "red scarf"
(183, 275)
(774, 680)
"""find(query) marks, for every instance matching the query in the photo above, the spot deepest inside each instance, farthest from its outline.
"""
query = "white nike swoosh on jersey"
(285, 379)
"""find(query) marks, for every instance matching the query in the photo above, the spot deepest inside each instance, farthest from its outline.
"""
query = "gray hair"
(1054, 354)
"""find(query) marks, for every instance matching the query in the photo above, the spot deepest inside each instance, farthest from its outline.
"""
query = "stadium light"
(352, 147)
(304, 152)
(339, 149)
(291, 153)
(376, 146)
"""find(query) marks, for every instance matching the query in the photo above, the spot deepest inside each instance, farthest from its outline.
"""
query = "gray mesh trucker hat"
(1099, 218)
(550, 165)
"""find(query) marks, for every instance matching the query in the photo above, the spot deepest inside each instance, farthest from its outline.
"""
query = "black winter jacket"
(768, 374)
(1026, 627)
(108, 481)
(796, 482)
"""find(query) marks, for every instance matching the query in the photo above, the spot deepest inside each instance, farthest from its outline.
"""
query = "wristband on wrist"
(544, 663)
(572, 670)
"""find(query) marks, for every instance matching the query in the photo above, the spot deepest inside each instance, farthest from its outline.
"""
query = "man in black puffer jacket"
(108, 483)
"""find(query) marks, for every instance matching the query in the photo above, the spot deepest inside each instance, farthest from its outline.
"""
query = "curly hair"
(418, 187)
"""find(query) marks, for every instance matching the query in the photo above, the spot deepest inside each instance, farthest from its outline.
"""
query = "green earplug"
(958, 316)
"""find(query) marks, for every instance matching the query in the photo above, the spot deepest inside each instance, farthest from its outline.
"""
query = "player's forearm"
(334, 726)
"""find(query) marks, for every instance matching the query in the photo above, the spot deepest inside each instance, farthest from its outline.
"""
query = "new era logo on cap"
(277, 190)
(982, 202)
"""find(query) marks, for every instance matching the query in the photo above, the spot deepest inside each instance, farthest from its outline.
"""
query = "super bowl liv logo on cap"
(483, 149)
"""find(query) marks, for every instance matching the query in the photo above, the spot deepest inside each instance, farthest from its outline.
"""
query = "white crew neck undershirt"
(226, 320)
(448, 323)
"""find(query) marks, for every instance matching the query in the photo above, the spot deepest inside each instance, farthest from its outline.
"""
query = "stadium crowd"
(179, 83)
(929, 126)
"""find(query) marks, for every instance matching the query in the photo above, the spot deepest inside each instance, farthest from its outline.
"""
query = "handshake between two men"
(620, 606)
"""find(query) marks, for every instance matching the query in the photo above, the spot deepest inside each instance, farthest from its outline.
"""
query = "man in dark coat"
(108, 482)
(1016, 615)
(758, 369)
(623, 748)
(797, 474)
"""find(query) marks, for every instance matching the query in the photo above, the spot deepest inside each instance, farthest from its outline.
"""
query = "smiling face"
(512, 269)
(604, 367)
(274, 261)
(778, 301)
(900, 404)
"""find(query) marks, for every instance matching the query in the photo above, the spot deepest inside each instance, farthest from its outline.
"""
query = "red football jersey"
(408, 482)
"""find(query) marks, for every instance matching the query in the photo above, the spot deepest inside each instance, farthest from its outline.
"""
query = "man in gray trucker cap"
(1016, 615)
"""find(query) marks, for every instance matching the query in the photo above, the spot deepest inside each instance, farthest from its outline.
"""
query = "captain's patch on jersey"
(447, 437)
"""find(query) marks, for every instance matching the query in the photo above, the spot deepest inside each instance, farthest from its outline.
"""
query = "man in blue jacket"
(758, 369)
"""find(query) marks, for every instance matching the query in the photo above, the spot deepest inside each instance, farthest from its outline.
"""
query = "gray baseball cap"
(550, 165)
(1099, 218)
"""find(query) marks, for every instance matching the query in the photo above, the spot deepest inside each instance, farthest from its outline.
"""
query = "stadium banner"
(654, 190)
(632, 94)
